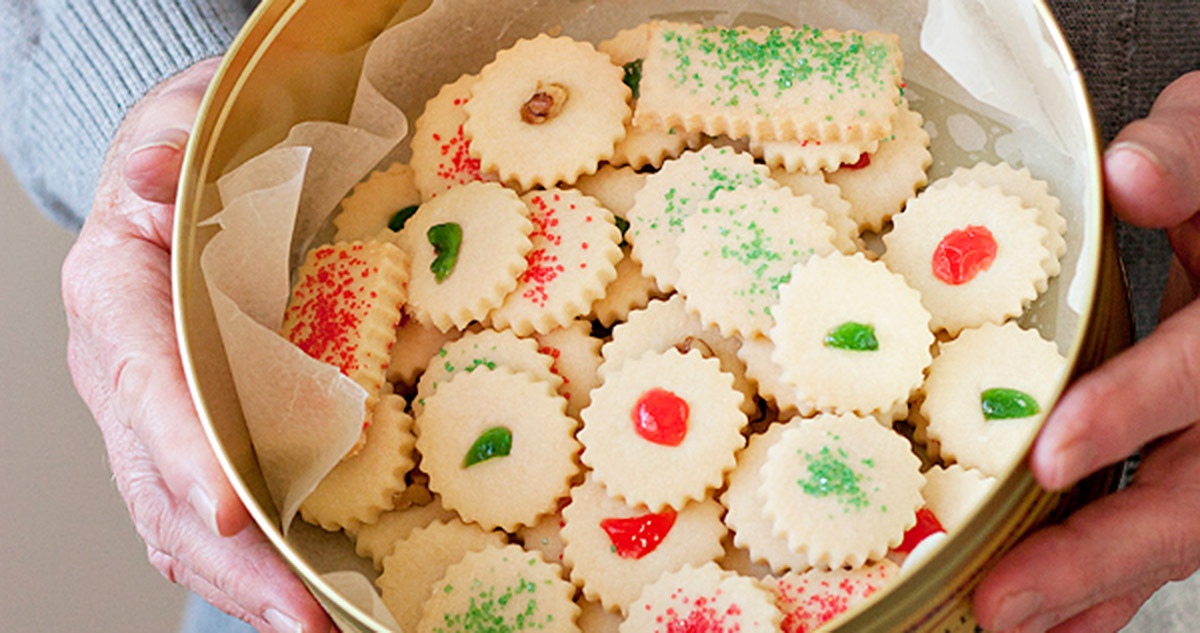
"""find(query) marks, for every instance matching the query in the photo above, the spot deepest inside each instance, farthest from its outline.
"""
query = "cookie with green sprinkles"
(705, 598)
(771, 83)
(501, 589)
(378, 207)
(841, 489)
(484, 351)
(987, 394)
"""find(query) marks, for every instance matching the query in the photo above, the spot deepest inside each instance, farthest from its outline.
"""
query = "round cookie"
(576, 357)
(811, 599)
(441, 151)
(976, 255)
(574, 256)
(739, 560)
(545, 537)
(613, 549)
(703, 598)
(827, 197)
(498, 447)
(850, 335)
(987, 394)
(485, 350)
(416, 344)
(471, 268)
(501, 589)
(630, 291)
(810, 157)
(376, 540)
(596, 619)
(614, 188)
(663, 429)
(378, 204)
(953, 493)
(767, 376)
(546, 111)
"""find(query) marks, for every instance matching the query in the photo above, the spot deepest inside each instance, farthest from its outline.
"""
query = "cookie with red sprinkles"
(811, 599)
(706, 599)
(441, 151)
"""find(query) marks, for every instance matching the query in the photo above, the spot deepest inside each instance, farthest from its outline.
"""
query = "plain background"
(70, 559)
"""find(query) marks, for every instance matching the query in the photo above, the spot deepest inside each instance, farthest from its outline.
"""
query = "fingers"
(1110, 615)
(1153, 167)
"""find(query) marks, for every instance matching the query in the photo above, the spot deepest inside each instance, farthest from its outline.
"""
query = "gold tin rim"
(1016, 491)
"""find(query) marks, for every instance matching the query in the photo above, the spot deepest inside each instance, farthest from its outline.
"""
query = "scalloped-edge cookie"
(441, 151)
(416, 344)
(368, 211)
(976, 255)
(546, 111)
(613, 549)
(574, 256)
(545, 537)
(484, 350)
(376, 540)
(953, 493)
(756, 353)
(987, 394)
(827, 197)
(841, 489)
(501, 589)
(498, 447)
(850, 335)
(362, 486)
(738, 560)
(576, 357)
(594, 618)
(663, 429)
(630, 291)
(811, 599)
(615, 188)
(809, 156)
(460, 279)
(705, 598)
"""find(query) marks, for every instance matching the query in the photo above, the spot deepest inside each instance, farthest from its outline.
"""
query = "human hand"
(126, 365)
(1095, 570)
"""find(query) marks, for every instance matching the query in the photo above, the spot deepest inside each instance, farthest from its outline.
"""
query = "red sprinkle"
(634, 537)
(927, 525)
(661, 417)
(964, 254)
(542, 264)
(864, 160)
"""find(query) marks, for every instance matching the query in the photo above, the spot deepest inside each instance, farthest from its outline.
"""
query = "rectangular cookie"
(771, 84)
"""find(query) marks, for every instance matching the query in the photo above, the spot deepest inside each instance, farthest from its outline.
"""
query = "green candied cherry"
(446, 240)
(1007, 404)
(492, 443)
(400, 218)
(633, 76)
(853, 337)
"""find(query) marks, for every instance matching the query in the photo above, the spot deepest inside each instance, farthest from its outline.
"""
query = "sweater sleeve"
(69, 71)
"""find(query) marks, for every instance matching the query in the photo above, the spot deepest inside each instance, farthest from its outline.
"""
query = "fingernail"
(1074, 461)
(281, 622)
(1015, 609)
(1129, 150)
(171, 138)
(205, 507)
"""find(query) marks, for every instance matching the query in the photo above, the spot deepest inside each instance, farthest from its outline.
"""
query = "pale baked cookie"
(953, 493)
(344, 309)
(756, 353)
(674, 193)
(1034, 193)
(468, 249)
(878, 189)
(739, 560)
(594, 618)
(743, 499)
(841, 489)
(420, 560)
(416, 344)
(498, 447)
(382, 202)
(574, 256)
(546, 111)
(771, 84)
(630, 291)
(361, 486)
(613, 549)
(663, 429)
(827, 197)
(484, 350)
(376, 540)
(740, 248)
(441, 151)
(705, 598)
(850, 335)
(811, 157)
(987, 394)
(576, 359)
(663, 325)
(501, 589)
(813, 598)
(614, 188)
(976, 255)
(545, 537)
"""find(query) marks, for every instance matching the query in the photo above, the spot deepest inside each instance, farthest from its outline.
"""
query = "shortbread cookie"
(498, 447)
(614, 188)
(663, 429)
(546, 111)
(485, 350)
(344, 309)
(987, 394)
(811, 599)
(841, 489)
(756, 353)
(663, 325)
(771, 84)
(752, 531)
(468, 249)
(575, 252)
(1034, 193)
(379, 206)
(360, 487)
(674, 193)
(976, 255)
(850, 335)
(740, 248)
(953, 493)
(630, 291)
(827, 197)
(441, 151)
(594, 618)
(576, 357)
(416, 344)
(545, 537)
(377, 540)
(706, 598)
(613, 549)
(878, 186)
(417, 562)
(811, 157)
(739, 560)
(501, 589)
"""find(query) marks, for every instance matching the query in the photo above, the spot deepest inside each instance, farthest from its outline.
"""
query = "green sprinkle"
(853, 337)
(830, 476)
(479, 362)
(494, 442)
(446, 240)
(401, 217)
(633, 76)
(1007, 404)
